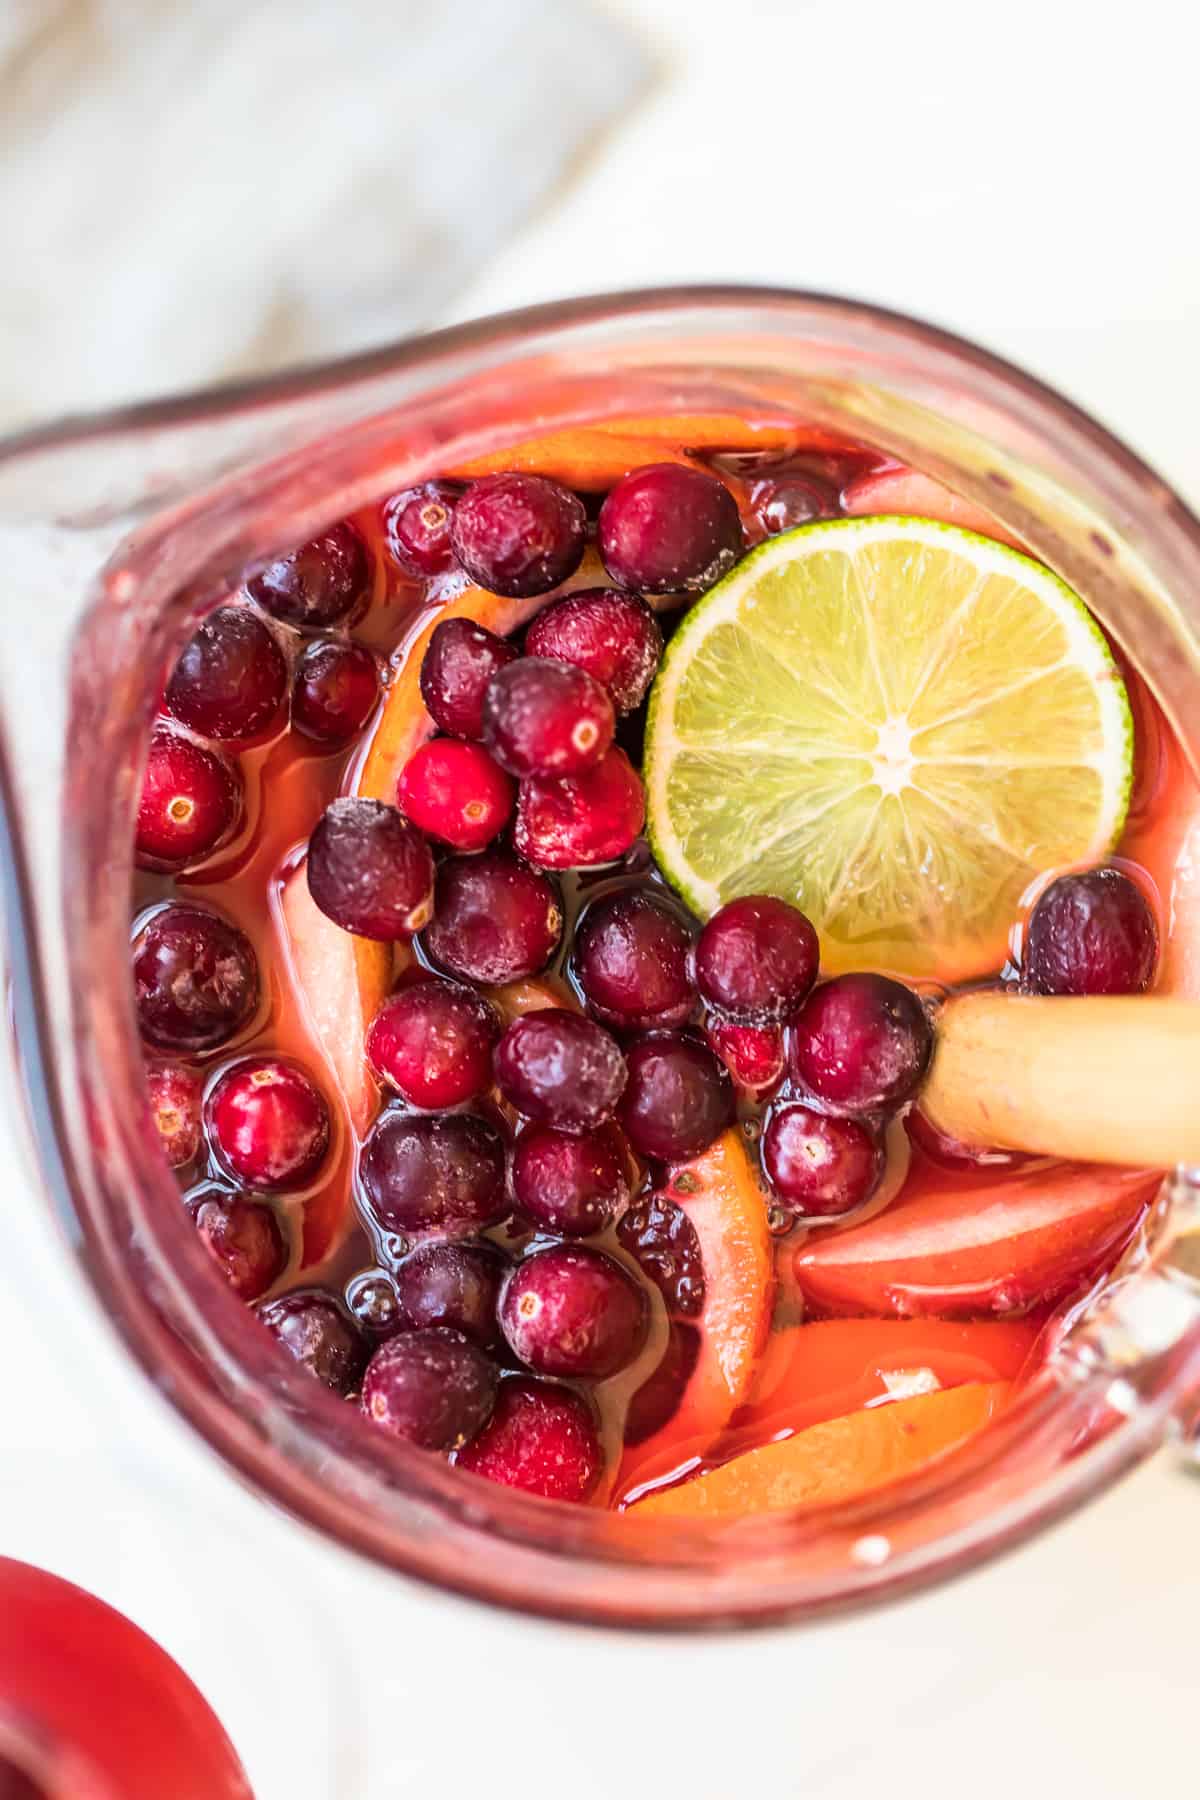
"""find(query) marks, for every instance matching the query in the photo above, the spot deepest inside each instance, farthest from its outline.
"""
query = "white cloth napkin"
(189, 192)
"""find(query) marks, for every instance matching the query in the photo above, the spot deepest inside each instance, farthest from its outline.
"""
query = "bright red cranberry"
(571, 1183)
(756, 959)
(174, 1094)
(459, 662)
(668, 529)
(518, 534)
(631, 960)
(370, 870)
(951, 1152)
(457, 793)
(581, 820)
(571, 1310)
(373, 1304)
(243, 1238)
(495, 919)
(231, 679)
(542, 1439)
(321, 583)
(547, 718)
(678, 1098)
(312, 1327)
(611, 634)
(433, 1041)
(657, 1400)
(862, 1042)
(783, 503)
(416, 525)
(664, 1243)
(452, 1284)
(334, 691)
(431, 1388)
(1091, 934)
(819, 1164)
(269, 1124)
(191, 801)
(753, 1054)
(561, 1069)
(195, 979)
(441, 1174)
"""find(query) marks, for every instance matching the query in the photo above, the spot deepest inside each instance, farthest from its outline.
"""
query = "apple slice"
(908, 494)
(593, 457)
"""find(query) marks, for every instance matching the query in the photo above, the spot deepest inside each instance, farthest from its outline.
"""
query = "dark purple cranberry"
(664, 1243)
(631, 960)
(231, 680)
(495, 919)
(571, 1310)
(571, 1183)
(372, 1303)
(787, 501)
(861, 1042)
(753, 1054)
(321, 583)
(1091, 934)
(458, 664)
(431, 1388)
(434, 1174)
(547, 718)
(334, 691)
(611, 634)
(174, 1094)
(819, 1164)
(370, 870)
(456, 793)
(518, 534)
(668, 529)
(268, 1124)
(678, 1099)
(580, 820)
(243, 1238)
(191, 801)
(416, 526)
(657, 1400)
(951, 1152)
(542, 1439)
(756, 959)
(433, 1041)
(452, 1284)
(561, 1069)
(195, 979)
(313, 1327)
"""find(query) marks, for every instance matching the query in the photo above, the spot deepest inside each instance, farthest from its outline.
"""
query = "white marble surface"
(1030, 186)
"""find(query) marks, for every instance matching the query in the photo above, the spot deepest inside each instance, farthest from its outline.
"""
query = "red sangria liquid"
(549, 1153)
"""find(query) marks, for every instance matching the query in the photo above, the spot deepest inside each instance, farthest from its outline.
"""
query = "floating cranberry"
(458, 664)
(373, 1304)
(433, 1041)
(819, 1164)
(611, 634)
(312, 1327)
(783, 503)
(666, 1247)
(582, 820)
(416, 526)
(174, 1095)
(668, 529)
(542, 1439)
(657, 1400)
(862, 1042)
(495, 919)
(434, 1174)
(334, 691)
(631, 960)
(951, 1152)
(243, 1238)
(753, 1054)
(547, 718)
(678, 1099)
(1091, 934)
(370, 870)
(518, 534)
(191, 801)
(321, 583)
(571, 1183)
(756, 959)
(452, 1284)
(431, 1388)
(561, 1069)
(268, 1124)
(231, 680)
(195, 979)
(571, 1310)
(457, 793)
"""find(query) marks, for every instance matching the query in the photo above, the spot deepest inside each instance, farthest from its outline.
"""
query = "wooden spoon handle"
(1102, 1080)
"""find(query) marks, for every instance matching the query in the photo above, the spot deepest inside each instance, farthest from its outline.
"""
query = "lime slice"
(895, 724)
